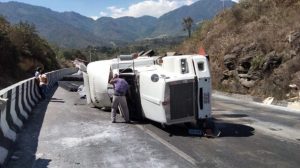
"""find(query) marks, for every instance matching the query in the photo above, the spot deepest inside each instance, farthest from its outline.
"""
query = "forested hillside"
(21, 51)
(254, 47)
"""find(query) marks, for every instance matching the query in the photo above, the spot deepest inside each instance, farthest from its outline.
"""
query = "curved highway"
(64, 132)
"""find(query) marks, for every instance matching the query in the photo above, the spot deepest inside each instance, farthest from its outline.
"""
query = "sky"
(111, 8)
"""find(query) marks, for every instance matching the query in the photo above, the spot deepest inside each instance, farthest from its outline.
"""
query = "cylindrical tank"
(98, 73)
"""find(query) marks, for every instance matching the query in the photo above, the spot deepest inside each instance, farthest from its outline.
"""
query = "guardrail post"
(3, 148)
(2, 104)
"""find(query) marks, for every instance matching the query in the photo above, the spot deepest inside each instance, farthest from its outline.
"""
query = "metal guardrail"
(16, 104)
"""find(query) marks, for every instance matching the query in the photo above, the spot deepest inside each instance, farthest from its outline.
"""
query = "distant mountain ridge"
(170, 23)
(70, 29)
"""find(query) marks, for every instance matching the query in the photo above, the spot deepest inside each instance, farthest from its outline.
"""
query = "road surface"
(64, 132)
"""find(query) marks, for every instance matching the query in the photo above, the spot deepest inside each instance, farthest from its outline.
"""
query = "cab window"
(201, 66)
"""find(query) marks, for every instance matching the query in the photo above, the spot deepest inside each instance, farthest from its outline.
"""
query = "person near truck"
(43, 85)
(120, 88)
(37, 73)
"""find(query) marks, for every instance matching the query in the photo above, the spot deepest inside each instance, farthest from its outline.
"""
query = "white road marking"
(269, 128)
(170, 146)
(285, 109)
(276, 130)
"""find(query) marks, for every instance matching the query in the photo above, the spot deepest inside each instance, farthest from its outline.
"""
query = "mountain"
(254, 48)
(170, 23)
(125, 28)
(67, 29)
(70, 29)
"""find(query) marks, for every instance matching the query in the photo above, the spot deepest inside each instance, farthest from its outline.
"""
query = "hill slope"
(254, 47)
(21, 51)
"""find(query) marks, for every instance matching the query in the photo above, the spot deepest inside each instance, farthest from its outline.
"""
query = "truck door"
(204, 86)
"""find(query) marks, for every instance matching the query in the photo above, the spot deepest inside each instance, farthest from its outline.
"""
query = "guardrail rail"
(16, 104)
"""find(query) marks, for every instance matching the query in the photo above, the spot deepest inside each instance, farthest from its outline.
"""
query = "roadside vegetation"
(22, 50)
(254, 47)
(187, 25)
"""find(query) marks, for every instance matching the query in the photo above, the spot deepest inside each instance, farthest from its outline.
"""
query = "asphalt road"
(252, 136)
(63, 132)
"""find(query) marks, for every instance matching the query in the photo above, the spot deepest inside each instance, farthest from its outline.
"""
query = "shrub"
(257, 62)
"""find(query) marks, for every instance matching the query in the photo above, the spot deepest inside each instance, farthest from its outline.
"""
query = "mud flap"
(87, 88)
(204, 128)
(197, 132)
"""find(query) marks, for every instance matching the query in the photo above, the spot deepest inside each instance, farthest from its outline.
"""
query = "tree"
(187, 24)
(4, 26)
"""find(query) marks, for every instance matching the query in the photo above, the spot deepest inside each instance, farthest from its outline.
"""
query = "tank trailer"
(169, 89)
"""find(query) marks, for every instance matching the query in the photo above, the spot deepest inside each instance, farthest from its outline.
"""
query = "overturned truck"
(169, 90)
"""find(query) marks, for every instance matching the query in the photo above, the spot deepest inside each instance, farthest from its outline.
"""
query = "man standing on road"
(120, 89)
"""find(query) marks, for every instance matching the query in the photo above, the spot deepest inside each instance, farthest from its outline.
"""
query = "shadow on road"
(177, 130)
(234, 130)
(41, 163)
(231, 115)
(24, 149)
(227, 129)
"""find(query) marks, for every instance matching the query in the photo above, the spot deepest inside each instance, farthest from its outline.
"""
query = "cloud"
(154, 8)
(101, 14)
(94, 17)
